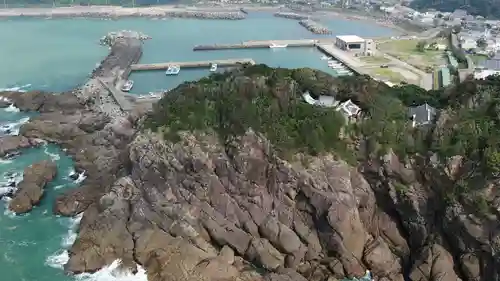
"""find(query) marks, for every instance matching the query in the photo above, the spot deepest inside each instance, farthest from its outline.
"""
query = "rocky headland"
(254, 184)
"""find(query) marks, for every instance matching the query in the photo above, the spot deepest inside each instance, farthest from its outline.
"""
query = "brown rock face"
(30, 189)
(203, 210)
(197, 210)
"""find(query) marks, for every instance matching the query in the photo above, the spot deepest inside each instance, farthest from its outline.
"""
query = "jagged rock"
(43, 102)
(30, 189)
(200, 209)
(13, 143)
(434, 263)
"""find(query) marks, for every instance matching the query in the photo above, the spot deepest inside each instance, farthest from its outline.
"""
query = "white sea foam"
(59, 186)
(12, 108)
(5, 162)
(61, 257)
(113, 273)
(53, 156)
(81, 178)
(108, 273)
(15, 126)
(21, 89)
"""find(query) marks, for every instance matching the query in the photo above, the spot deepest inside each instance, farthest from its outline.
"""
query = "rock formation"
(203, 207)
(30, 189)
(314, 27)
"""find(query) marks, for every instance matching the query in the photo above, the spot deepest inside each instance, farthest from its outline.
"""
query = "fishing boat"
(127, 86)
(213, 67)
(274, 45)
(173, 70)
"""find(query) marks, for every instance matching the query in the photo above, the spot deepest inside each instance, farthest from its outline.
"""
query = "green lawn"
(374, 59)
(388, 74)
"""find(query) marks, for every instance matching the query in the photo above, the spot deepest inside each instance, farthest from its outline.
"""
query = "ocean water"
(58, 55)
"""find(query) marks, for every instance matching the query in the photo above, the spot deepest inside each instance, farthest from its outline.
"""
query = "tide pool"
(58, 55)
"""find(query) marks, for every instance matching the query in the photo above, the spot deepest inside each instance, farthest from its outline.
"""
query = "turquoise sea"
(57, 55)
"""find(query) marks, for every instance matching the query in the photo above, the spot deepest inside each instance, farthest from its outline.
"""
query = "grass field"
(374, 59)
(406, 50)
(388, 74)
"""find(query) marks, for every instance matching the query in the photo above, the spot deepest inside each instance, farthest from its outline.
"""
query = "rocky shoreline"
(200, 208)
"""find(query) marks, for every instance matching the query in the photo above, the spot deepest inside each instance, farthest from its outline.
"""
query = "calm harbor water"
(57, 55)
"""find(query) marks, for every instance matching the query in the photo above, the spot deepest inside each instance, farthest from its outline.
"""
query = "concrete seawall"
(262, 44)
(191, 64)
(118, 12)
(293, 16)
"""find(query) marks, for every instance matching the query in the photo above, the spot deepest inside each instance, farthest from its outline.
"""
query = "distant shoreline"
(229, 12)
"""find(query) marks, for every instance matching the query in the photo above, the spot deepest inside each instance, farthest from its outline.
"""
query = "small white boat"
(128, 86)
(173, 70)
(324, 57)
(213, 67)
(274, 45)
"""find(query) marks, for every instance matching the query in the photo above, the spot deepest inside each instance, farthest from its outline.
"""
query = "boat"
(213, 67)
(128, 86)
(324, 57)
(173, 70)
(274, 45)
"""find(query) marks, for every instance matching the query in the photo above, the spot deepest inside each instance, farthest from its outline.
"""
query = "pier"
(117, 95)
(341, 56)
(293, 16)
(261, 44)
(191, 64)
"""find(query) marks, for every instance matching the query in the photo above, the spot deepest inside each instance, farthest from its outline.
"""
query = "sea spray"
(20, 89)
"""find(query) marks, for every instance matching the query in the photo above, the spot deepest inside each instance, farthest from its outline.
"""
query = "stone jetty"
(293, 16)
(111, 37)
(206, 15)
(314, 27)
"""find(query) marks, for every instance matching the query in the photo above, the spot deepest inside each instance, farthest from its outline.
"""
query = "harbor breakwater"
(314, 27)
(113, 12)
(292, 16)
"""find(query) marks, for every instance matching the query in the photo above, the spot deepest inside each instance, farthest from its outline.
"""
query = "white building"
(468, 44)
(354, 44)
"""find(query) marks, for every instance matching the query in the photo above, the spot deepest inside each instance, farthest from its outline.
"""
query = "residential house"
(469, 44)
(422, 115)
(492, 63)
(347, 108)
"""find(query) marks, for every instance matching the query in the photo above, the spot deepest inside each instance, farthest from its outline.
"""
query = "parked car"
(384, 66)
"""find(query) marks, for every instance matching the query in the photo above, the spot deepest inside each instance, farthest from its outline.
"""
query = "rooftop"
(351, 38)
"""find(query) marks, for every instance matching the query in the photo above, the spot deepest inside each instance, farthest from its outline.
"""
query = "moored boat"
(127, 86)
(274, 45)
(173, 70)
(213, 67)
